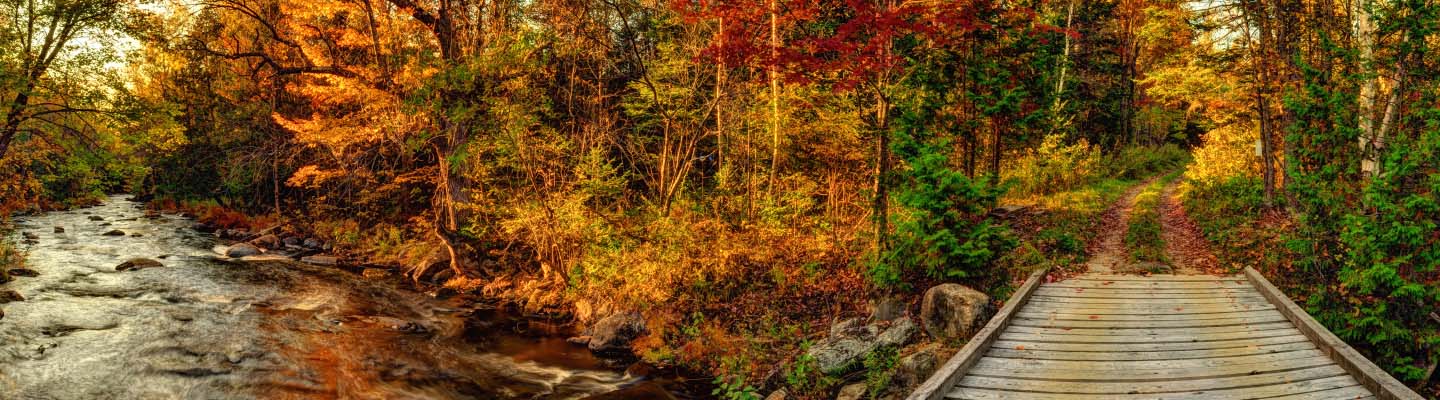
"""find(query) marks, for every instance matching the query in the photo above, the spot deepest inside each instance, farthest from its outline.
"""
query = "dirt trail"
(1186, 247)
(1108, 254)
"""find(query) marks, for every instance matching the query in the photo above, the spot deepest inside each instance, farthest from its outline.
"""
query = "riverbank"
(189, 323)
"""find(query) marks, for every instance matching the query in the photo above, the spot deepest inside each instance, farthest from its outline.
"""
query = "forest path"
(1188, 250)
(1108, 254)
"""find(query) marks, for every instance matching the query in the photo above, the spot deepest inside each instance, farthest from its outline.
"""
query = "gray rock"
(312, 243)
(887, 309)
(899, 333)
(614, 333)
(241, 250)
(291, 241)
(25, 272)
(854, 391)
(951, 311)
(114, 232)
(848, 345)
(914, 369)
(267, 241)
(321, 260)
(138, 263)
(7, 296)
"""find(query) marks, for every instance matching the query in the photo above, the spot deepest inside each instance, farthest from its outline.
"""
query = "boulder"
(138, 263)
(914, 369)
(25, 272)
(321, 260)
(848, 345)
(241, 250)
(114, 232)
(312, 243)
(7, 296)
(614, 333)
(292, 241)
(267, 241)
(59, 229)
(854, 391)
(952, 312)
(96, 218)
(30, 236)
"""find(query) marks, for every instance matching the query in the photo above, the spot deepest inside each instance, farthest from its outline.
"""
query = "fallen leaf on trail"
(1094, 317)
(1020, 347)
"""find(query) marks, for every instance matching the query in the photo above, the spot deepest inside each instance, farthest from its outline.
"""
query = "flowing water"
(205, 328)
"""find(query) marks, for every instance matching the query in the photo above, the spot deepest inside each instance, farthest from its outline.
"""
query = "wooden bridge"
(1156, 337)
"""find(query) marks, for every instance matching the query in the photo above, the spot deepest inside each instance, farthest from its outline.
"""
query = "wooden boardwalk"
(1156, 337)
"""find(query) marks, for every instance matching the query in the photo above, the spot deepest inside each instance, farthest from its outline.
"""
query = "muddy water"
(206, 328)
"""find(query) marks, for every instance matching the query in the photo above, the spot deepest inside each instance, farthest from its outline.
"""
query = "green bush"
(1140, 162)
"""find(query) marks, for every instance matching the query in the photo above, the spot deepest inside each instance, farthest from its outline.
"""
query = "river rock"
(312, 243)
(59, 229)
(138, 263)
(96, 218)
(30, 236)
(322, 260)
(25, 272)
(614, 333)
(7, 296)
(854, 391)
(114, 232)
(267, 241)
(203, 228)
(241, 250)
(914, 369)
(292, 241)
(952, 311)
(848, 345)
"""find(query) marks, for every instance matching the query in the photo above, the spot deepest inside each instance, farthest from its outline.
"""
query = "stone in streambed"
(321, 260)
(138, 263)
(59, 229)
(114, 232)
(25, 272)
(312, 243)
(30, 236)
(241, 250)
(267, 241)
(96, 218)
(614, 333)
(952, 312)
(7, 296)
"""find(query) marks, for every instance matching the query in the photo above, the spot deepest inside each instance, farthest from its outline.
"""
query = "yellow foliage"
(1228, 151)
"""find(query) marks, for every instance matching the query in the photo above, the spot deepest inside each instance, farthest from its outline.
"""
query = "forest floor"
(1108, 253)
(1187, 248)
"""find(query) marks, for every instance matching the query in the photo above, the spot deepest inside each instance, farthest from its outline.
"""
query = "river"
(206, 328)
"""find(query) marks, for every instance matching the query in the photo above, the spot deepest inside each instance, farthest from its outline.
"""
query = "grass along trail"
(1108, 254)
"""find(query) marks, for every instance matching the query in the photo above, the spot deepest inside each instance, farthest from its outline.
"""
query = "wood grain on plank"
(1150, 332)
(1112, 323)
(1026, 314)
(1199, 363)
(1189, 385)
(1021, 351)
(1299, 387)
(1157, 347)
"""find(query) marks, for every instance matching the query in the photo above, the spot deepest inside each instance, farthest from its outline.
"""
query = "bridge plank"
(986, 367)
(1140, 334)
(1182, 323)
(1272, 378)
(1142, 294)
(1021, 351)
(1130, 366)
(1141, 309)
(1039, 299)
(1331, 384)
(1031, 315)
(1155, 347)
(1150, 285)
(1157, 277)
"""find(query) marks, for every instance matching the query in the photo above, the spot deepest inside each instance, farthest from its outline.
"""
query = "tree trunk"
(1369, 101)
(774, 95)
(882, 168)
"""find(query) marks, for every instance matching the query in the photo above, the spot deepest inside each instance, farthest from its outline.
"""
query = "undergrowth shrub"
(1140, 162)
(1053, 167)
